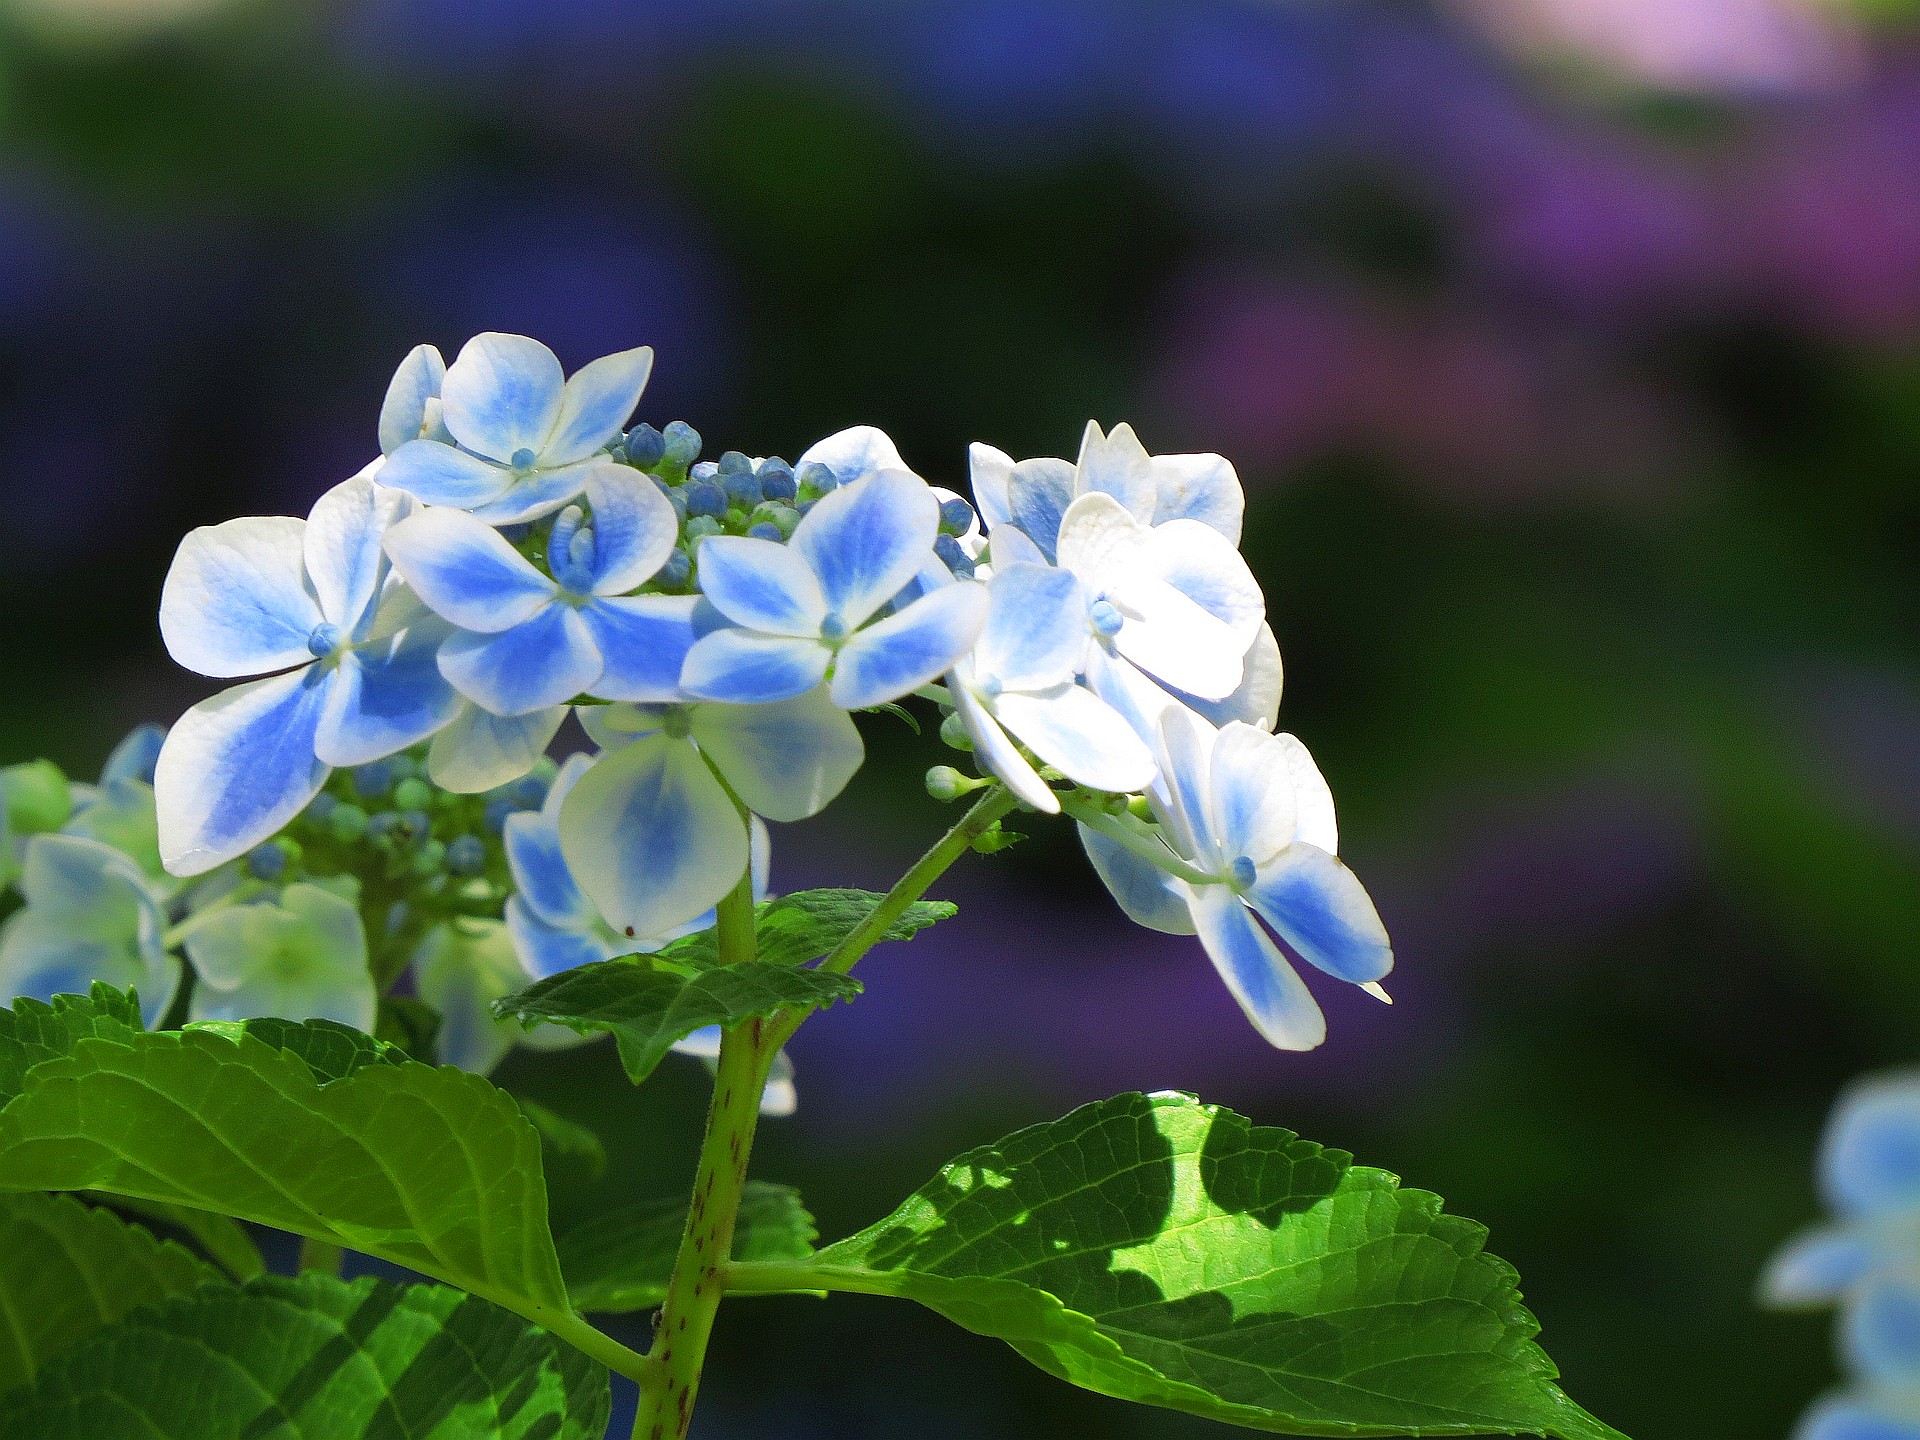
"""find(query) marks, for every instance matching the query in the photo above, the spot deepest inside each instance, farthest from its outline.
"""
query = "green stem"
(693, 1292)
(788, 1277)
(321, 1255)
(1146, 846)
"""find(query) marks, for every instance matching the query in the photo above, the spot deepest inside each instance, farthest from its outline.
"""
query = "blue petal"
(1148, 894)
(1198, 487)
(785, 761)
(403, 413)
(644, 640)
(236, 601)
(1267, 987)
(911, 648)
(237, 767)
(501, 395)
(544, 662)
(441, 475)
(466, 572)
(746, 668)
(548, 949)
(540, 492)
(1870, 1157)
(761, 584)
(1880, 1333)
(1116, 465)
(634, 528)
(1817, 1268)
(386, 696)
(540, 872)
(1036, 632)
(345, 561)
(866, 540)
(1856, 1417)
(851, 453)
(1038, 493)
(134, 757)
(595, 405)
(1323, 913)
(988, 471)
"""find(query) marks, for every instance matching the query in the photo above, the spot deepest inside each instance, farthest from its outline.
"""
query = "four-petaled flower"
(314, 598)
(1247, 829)
(521, 436)
(302, 957)
(812, 603)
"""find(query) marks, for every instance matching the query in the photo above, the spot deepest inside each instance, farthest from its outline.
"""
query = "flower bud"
(347, 823)
(412, 795)
(946, 784)
(266, 862)
(646, 447)
(466, 855)
(682, 446)
(776, 479)
(956, 516)
(953, 733)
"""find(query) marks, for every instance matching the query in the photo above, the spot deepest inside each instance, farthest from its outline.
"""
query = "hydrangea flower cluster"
(338, 824)
(1867, 1262)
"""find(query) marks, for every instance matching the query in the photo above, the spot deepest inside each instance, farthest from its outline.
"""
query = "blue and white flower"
(300, 956)
(1246, 834)
(89, 915)
(460, 969)
(521, 437)
(651, 833)
(314, 599)
(528, 642)
(1020, 678)
(815, 603)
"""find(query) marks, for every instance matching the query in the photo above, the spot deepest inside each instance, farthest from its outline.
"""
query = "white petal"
(854, 452)
(1880, 1332)
(1080, 735)
(1273, 995)
(345, 564)
(1257, 700)
(1182, 793)
(1858, 1416)
(652, 837)
(1010, 546)
(403, 413)
(596, 404)
(785, 761)
(303, 959)
(1120, 683)
(439, 474)
(1870, 1155)
(1312, 800)
(1148, 894)
(1116, 465)
(1100, 540)
(1036, 630)
(644, 640)
(544, 662)
(461, 972)
(1322, 911)
(501, 395)
(780, 1098)
(997, 753)
(236, 600)
(1038, 495)
(1174, 640)
(386, 696)
(236, 768)
(989, 471)
(746, 668)
(911, 648)
(1205, 567)
(1817, 1268)
(1199, 487)
(761, 584)
(480, 751)
(1252, 809)
(867, 539)
(466, 572)
(634, 528)
(537, 494)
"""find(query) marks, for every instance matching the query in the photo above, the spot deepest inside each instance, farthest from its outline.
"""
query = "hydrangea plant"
(261, 971)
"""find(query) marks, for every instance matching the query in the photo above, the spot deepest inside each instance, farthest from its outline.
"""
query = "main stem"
(693, 1293)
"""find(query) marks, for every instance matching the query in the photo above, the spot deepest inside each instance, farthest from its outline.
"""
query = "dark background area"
(1568, 352)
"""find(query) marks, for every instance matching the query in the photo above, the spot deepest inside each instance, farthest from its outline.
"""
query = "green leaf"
(31, 1031)
(807, 925)
(565, 1137)
(1156, 1249)
(332, 1051)
(431, 1168)
(315, 1358)
(620, 1260)
(67, 1270)
(226, 1243)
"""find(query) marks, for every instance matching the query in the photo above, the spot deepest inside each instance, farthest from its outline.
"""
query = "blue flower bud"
(734, 462)
(956, 516)
(705, 470)
(765, 530)
(347, 823)
(402, 767)
(415, 823)
(776, 479)
(466, 855)
(322, 807)
(701, 526)
(676, 572)
(705, 498)
(646, 446)
(677, 498)
(743, 488)
(816, 479)
(266, 862)
(370, 782)
(947, 550)
(382, 825)
(498, 808)
(682, 444)
(804, 506)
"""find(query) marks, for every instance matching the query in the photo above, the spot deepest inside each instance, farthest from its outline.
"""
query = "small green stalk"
(693, 1293)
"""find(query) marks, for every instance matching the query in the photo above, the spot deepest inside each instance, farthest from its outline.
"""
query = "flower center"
(676, 722)
(988, 688)
(324, 640)
(523, 459)
(570, 551)
(1105, 618)
(833, 628)
(1242, 873)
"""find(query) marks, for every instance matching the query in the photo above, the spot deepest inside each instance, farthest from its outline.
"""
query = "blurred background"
(1569, 351)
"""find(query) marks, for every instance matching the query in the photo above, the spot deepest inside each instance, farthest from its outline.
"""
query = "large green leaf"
(620, 1260)
(31, 1031)
(225, 1242)
(1161, 1250)
(315, 1358)
(332, 1051)
(68, 1269)
(431, 1168)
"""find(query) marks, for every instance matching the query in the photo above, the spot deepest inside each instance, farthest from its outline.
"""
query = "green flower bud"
(412, 794)
(954, 734)
(347, 823)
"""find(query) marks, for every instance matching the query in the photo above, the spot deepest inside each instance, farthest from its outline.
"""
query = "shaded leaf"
(67, 1270)
(565, 1137)
(620, 1260)
(1160, 1250)
(315, 1358)
(227, 1243)
(807, 925)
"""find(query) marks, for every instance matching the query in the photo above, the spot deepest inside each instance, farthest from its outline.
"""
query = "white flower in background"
(651, 834)
(460, 969)
(1246, 829)
(314, 599)
(480, 751)
(523, 436)
(302, 957)
(1020, 678)
(815, 602)
(528, 642)
(89, 915)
